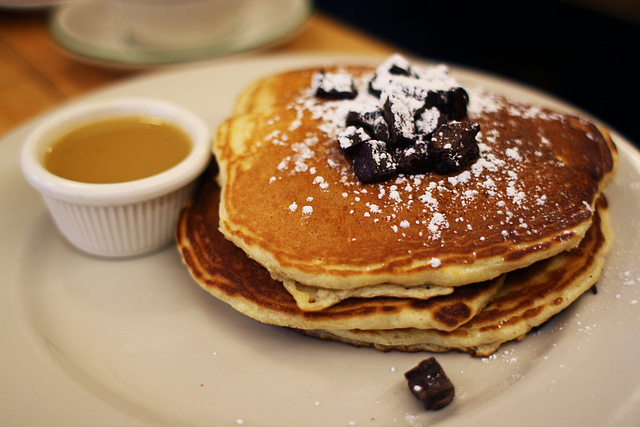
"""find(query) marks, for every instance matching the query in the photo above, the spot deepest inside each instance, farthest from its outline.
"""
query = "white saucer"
(27, 4)
(90, 32)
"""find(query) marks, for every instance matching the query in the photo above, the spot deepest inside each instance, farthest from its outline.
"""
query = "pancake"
(288, 231)
(528, 298)
(226, 272)
(475, 318)
(291, 201)
(311, 298)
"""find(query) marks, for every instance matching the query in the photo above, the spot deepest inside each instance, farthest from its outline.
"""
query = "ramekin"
(122, 219)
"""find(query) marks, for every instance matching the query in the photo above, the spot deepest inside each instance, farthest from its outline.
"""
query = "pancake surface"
(290, 199)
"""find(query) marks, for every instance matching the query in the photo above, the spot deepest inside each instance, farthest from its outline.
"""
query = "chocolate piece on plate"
(430, 384)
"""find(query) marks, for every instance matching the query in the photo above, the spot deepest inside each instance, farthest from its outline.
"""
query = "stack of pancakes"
(468, 260)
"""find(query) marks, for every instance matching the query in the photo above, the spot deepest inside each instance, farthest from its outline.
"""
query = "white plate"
(86, 341)
(90, 31)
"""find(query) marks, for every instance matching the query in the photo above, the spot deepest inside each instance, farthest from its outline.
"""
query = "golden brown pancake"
(464, 260)
(225, 271)
(528, 298)
(475, 318)
(290, 199)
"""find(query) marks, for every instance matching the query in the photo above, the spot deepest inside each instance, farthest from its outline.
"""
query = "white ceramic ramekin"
(122, 219)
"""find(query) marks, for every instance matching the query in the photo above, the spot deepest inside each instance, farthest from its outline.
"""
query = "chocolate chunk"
(351, 137)
(456, 106)
(375, 85)
(371, 119)
(373, 163)
(428, 120)
(453, 146)
(413, 159)
(396, 64)
(452, 103)
(408, 129)
(380, 129)
(430, 384)
(407, 86)
(412, 89)
(399, 117)
(333, 85)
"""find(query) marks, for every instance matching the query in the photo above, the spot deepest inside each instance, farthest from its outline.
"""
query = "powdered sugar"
(492, 176)
(437, 222)
(513, 154)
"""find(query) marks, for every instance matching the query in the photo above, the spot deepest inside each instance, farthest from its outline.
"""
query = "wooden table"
(36, 74)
